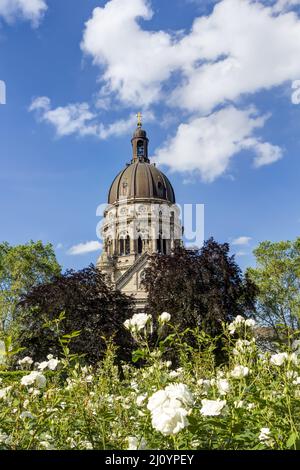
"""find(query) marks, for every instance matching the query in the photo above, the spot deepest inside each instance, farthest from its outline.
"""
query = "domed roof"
(141, 180)
(140, 133)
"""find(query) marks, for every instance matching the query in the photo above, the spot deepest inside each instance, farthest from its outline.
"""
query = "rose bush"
(250, 402)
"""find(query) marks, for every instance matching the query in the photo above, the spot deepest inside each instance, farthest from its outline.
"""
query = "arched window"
(109, 247)
(172, 225)
(160, 223)
(140, 148)
(140, 246)
(159, 244)
(127, 247)
(122, 246)
(164, 250)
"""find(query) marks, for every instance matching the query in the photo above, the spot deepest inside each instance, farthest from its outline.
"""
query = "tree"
(277, 275)
(21, 268)
(199, 287)
(89, 306)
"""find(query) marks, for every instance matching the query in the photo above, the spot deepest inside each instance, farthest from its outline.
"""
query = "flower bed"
(250, 402)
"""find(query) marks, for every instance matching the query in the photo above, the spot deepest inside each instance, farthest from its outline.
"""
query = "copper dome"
(141, 180)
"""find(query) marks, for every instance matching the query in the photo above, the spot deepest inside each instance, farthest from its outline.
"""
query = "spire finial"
(140, 119)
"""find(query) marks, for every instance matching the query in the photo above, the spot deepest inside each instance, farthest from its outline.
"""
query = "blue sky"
(214, 82)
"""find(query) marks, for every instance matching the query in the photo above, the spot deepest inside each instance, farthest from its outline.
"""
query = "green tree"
(277, 275)
(21, 268)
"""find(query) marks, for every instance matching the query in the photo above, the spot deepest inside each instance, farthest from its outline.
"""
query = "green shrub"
(251, 402)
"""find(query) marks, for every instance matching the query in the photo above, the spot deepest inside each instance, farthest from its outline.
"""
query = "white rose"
(140, 399)
(53, 363)
(223, 386)
(168, 408)
(138, 322)
(127, 324)
(239, 320)
(40, 380)
(34, 378)
(4, 392)
(212, 407)
(250, 322)
(157, 400)
(25, 361)
(173, 374)
(28, 379)
(169, 420)
(239, 372)
(265, 436)
(278, 359)
(164, 317)
(136, 444)
(181, 393)
(43, 365)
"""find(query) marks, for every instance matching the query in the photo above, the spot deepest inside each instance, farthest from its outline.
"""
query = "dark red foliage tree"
(90, 306)
(199, 287)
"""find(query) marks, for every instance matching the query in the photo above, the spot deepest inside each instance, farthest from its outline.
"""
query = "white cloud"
(84, 248)
(118, 128)
(207, 144)
(136, 62)
(284, 5)
(71, 119)
(241, 253)
(31, 10)
(241, 241)
(266, 153)
(244, 48)
(41, 103)
(240, 48)
(80, 120)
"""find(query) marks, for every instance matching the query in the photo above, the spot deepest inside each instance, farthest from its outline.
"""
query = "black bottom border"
(150, 459)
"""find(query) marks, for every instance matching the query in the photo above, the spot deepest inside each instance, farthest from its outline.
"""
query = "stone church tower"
(141, 219)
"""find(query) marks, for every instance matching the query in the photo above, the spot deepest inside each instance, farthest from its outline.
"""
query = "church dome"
(141, 180)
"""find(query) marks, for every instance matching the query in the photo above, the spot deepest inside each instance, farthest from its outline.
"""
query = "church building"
(142, 218)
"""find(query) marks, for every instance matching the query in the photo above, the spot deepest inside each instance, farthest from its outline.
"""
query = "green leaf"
(74, 334)
(292, 440)
(138, 354)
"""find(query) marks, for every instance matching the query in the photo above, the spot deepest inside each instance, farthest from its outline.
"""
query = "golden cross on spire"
(140, 119)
